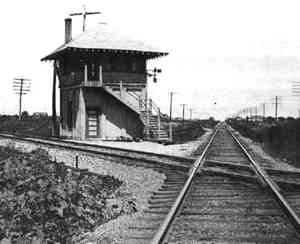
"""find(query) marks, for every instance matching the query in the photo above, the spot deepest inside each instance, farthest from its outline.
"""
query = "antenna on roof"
(84, 13)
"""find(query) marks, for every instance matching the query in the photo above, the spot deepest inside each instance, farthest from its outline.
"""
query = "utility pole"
(191, 112)
(171, 104)
(183, 112)
(276, 103)
(256, 113)
(21, 87)
(264, 110)
(84, 13)
(276, 107)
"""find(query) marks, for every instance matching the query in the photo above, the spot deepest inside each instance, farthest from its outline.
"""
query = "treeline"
(280, 138)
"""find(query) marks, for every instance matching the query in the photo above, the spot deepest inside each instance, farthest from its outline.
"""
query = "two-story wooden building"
(103, 85)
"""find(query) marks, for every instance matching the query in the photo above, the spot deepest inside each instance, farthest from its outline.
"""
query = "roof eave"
(148, 54)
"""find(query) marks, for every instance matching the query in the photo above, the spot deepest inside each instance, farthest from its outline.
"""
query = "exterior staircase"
(154, 131)
(148, 111)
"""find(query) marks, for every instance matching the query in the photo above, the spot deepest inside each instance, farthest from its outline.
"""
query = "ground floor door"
(92, 123)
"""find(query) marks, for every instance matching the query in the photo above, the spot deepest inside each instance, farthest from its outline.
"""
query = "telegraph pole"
(191, 112)
(21, 87)
(171, 104)
(256, 113)
(183, 111)
(276, 106)
(264, 110)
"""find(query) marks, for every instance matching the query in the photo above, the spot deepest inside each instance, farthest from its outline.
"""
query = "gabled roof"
(102, 39)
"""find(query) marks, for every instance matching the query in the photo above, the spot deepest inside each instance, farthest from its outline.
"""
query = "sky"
(223, 55)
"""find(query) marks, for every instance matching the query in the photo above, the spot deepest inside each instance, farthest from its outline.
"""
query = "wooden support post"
(158, 123)
(100, 76)
(170, 132)
(76, 162)
(54, 117)
(140, 103)
(103, 126)
(121, 88)
(148, 121)
(85, 73)
(150, 105)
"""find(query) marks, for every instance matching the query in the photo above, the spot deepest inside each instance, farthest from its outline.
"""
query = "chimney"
(68, 30)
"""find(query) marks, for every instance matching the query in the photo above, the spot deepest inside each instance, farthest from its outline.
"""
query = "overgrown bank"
(190, 130)
(39, 197)
(280, 139)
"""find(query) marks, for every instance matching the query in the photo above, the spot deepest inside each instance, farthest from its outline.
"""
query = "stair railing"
(144, 105)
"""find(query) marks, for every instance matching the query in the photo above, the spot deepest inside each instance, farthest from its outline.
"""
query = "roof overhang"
(147, 54)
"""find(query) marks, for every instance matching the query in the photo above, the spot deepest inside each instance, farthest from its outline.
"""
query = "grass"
(281, 139)
(27, 126)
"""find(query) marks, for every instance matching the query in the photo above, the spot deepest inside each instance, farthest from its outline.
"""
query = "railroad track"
(148, 159)
(218, 202)
(225, 179)
(106, 151)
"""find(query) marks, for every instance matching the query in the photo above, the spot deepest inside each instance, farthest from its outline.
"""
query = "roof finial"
(84, 13)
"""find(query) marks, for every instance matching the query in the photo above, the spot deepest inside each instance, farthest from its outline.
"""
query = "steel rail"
(292, 216)
(105, 150)
(165, 226)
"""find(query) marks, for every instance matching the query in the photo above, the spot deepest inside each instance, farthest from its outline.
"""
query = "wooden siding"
(116, 119)
(77, 130)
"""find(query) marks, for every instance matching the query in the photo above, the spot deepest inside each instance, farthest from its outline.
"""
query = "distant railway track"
(208, 205)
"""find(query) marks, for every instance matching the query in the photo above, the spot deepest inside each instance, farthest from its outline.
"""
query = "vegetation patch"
(280, 138)
(42, 197)
(29, 125)
(188, 130)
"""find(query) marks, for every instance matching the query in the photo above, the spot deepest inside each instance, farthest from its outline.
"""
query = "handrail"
(164, 228)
